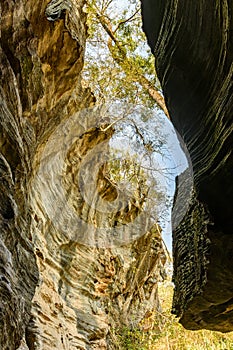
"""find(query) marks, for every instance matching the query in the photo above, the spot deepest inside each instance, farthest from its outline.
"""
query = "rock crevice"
(192, 44)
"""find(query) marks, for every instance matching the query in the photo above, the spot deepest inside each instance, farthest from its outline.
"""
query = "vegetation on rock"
(168, 334)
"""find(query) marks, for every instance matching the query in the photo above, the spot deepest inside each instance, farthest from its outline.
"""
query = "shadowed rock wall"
(193, 47)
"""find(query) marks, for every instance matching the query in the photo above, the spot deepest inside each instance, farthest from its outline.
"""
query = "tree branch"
(126, 20)
(119, 55)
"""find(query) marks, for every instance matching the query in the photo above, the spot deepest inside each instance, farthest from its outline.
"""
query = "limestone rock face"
(193, 47)
(56, 293)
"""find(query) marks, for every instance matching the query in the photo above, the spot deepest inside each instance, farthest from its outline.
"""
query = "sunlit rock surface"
(54, 292)
(193, 47)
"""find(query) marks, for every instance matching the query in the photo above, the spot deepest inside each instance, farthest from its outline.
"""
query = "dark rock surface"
(193, 47)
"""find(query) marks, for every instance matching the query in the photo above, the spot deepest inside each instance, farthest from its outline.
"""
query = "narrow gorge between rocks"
(55, 291)
(192, 42)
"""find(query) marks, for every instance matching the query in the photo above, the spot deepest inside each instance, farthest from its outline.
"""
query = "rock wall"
(56, 293)
(193, 48)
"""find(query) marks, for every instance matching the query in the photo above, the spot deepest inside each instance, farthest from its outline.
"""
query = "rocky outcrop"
(192, 44)
(55, 291)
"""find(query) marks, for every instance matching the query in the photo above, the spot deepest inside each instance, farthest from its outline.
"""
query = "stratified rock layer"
(193, 47)
(54, 292)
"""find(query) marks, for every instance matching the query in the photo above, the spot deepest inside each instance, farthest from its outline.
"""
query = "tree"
(119, 66)
(126, 69)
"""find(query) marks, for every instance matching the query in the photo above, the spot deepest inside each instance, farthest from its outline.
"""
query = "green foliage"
(174, 337)
(117, 59)
(132, 339)
(168, 334)
(126, 169)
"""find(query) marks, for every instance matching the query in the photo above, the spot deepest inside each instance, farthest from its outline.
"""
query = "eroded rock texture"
(54, 292)
(193, 47)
